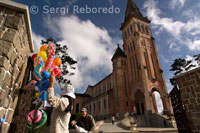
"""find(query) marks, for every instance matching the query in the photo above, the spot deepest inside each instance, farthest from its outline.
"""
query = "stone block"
(6, 48)
(193, 92)
(2, 112)
(5, 102)
(197, 108)
(195, 121)
(190, 107)
(192, 100)
(13, 22)
(9, 35)
(198, 94)
(2, 74)
(19, 14)
(197, 115)
(4, 62)
(198, 127)
(19, 63)
(15, 72)
(17, 45)
(9, 11)
(7, 79)
(21, 33)
(197, 79)
(198, 100)
(187, 78)
(189, 115)
(2, 29)
(1, 19)
(13, 58)
(14, 102)
(11, 82)
(187, 95)
(5, 128)
(197, 89)
(9, 115)
(182, 79)
(188, 83)
(2, 9)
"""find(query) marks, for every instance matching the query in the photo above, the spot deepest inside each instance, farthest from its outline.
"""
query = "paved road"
(117, 127)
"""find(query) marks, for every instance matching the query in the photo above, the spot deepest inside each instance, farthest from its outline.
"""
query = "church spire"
(133, 11)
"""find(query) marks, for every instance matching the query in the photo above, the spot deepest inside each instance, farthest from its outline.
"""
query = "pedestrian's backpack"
(70, 106)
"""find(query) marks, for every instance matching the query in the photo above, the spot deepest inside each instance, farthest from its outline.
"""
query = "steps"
(149, 120)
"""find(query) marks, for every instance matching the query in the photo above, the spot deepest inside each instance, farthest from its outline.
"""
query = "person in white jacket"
(61, 113)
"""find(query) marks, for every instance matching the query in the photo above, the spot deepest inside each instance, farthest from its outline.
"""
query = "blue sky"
(93, 37)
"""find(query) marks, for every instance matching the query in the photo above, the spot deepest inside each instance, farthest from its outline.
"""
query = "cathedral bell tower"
(144, 72)
(120, 75)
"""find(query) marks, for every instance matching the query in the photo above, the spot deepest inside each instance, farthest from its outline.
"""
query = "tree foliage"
(67, 61)
(180, 65)
(197, 59)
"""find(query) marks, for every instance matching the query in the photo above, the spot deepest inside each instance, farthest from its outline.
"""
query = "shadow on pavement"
(123, 127)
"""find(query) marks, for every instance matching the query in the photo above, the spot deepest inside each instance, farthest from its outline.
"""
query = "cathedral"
(135, 76)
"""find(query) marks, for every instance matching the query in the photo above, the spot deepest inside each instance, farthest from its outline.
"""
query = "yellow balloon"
(37, 95)
(43, 55)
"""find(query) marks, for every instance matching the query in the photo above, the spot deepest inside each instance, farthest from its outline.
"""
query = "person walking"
(62, 107)
(86, 121)
(113, 120)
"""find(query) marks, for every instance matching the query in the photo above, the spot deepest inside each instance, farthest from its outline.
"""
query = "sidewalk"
(117, 127)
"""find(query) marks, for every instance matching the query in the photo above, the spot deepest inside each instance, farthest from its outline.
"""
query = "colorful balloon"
(43, 55)
(30, 116)
(37, 95)
(57, 72)
(33, 57)
(37, 69)
(39, 123)
(50, 58)
(57, 61)
(43, 47)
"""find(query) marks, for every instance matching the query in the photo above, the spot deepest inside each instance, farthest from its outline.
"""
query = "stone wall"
(15, 47)
(189, 85)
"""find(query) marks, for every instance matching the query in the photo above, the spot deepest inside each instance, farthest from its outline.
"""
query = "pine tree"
(67, 61)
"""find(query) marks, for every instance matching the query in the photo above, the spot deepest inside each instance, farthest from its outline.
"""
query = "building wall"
(189, 86)
(80, 99)
(15, 47)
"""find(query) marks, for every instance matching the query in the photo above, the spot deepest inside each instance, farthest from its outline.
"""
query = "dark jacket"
(87, 122)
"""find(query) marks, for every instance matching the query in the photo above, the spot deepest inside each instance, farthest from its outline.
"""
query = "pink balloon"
(49, 61)
(31, 115)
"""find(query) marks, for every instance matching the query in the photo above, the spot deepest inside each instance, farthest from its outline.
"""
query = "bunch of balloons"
(45, 63)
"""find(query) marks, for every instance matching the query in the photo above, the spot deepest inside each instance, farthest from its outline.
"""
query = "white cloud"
(193, 44)
(37, 42)
(181, 31)
(174, 47)
(90, 45)
(176, 3)
(174, 27)
(165, 59)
